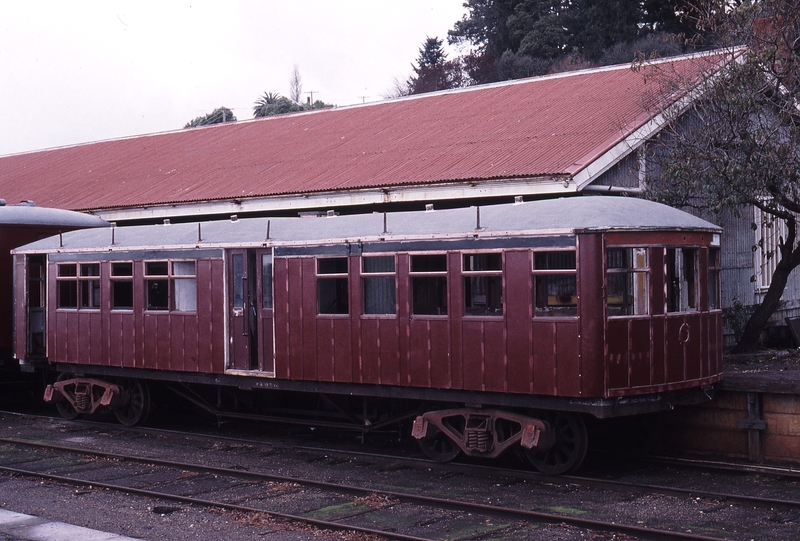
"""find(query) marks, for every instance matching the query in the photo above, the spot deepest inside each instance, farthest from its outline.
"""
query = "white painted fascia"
(638, 137)
(469, 189)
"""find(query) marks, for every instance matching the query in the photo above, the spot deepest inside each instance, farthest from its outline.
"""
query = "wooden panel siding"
(303, 293)
(518, 314)
(591, 308)
(639, 358)
(568, 375)
(280, 287)
(494, 353)
(544, 357)
(617, 356)
(342, 350)
(370, 356)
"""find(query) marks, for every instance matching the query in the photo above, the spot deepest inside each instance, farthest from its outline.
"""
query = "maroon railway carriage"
(492, 328)
(20, 224)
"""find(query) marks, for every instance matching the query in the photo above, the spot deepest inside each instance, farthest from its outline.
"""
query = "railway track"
(415, 497)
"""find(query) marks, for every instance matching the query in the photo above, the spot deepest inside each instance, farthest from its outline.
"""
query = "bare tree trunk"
(758, 320)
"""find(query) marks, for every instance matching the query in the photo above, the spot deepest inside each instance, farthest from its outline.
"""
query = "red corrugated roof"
(533, 128)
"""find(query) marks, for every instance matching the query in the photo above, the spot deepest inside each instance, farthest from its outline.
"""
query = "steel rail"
(648, 533)
(522, 474)
(210, 504)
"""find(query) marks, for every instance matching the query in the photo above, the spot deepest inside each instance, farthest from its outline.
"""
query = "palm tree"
(265, 104)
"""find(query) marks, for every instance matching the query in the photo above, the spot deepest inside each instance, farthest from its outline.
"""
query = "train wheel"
(569, 450)
(437, 446)
(65, 409)
(138, 407)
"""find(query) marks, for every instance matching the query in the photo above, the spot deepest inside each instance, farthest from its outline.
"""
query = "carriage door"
(265, 311)
(243, 315)
(36, 306)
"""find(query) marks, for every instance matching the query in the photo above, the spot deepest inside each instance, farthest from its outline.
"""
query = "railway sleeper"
(86, 395)
(486, 433)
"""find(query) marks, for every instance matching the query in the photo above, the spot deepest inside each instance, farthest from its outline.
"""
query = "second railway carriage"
(20, 224)
(492, 328)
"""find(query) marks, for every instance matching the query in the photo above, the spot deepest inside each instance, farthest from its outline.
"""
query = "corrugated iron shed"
(540, 131)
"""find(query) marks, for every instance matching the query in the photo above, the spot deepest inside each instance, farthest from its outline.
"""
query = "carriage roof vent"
(27, 203)
(2, 202)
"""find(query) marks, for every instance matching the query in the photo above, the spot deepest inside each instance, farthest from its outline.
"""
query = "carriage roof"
(27, 213)
(566, 216)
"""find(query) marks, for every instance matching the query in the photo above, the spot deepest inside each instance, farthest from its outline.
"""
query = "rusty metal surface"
(544, 128)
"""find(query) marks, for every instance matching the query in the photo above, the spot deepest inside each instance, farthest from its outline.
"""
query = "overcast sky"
(78, 71)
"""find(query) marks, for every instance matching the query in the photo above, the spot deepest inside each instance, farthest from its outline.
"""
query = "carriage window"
(332, 292)
(429, 284)
(171, 285)
(714, 268)
(184, 286)
(628, 288)
(157, 285)
(67, 285)
(89, 285)
(483, 284)
(555, 286)
(122, 286)
(682, 279)
(378, 279)
(36, 282)
(238, 280)
(266, 281)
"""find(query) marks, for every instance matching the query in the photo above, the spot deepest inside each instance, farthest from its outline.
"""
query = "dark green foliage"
(739, 144)
(217, 116)
(519, 38)
(433, 71)
(274, 104)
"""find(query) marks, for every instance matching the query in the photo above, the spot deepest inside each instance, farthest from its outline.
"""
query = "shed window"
(555, 285)
(483, 284)
(682, 279)
(332, 287)
(429, 284)
(378, 279)
(628, 289)
(122, 286)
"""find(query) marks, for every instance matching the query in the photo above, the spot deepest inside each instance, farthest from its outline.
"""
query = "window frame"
(468, 282)
(693, 285)
(429, 275)
(121, 278)
(714, 279)
(82, 287)
(538, 312)
(338, 278)
(170, 277)
(371, 275)
(630, 271)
